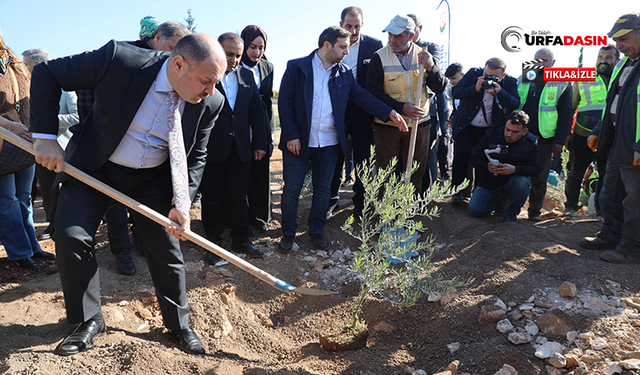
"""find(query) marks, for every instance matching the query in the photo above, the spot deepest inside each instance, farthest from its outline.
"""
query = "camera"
(489, 79)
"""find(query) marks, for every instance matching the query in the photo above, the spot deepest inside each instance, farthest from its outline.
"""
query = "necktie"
(177, 157)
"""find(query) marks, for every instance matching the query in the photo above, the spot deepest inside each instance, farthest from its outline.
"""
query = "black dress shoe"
(247, 248)
(44, 255)
(47, 234)
(25, 264)
(125, 266)
(82, 337)
(188, 341)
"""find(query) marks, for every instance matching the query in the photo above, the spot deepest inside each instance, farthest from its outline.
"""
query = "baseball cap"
(400, 24)
(625, 24)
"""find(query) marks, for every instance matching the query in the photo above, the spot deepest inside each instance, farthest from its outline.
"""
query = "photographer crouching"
(505, 159)
(486, 96)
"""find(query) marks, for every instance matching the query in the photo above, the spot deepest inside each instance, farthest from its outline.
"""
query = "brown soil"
(248, 327)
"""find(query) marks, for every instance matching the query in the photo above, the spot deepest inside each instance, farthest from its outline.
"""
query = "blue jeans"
(323, 161)
(17, 233)
(484, 201)
(620, 205)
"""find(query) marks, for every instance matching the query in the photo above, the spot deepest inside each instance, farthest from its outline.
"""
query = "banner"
(444, 33)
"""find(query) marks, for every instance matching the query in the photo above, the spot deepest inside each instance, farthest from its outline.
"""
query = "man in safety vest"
(588, 98)
(549, 107)
(620, 140)
(393, 78)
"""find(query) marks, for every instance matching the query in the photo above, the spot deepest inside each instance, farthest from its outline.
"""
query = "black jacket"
(523, 154)
(471, 100)
(120, 74)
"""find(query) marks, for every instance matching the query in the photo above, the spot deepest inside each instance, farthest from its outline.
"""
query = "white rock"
(631, 364)
(295, 247)
(572, 336)
(532, 328)
(453, 347)
(337, 255)
(526, 306)
(507, 370)
(504, 326)
(322, 253)
(421, 372)
(310, 259)
(613, 368)
(547, 350)
(501, 304)
(598, 343)
(531, 299)
(541, 340)
(557, 360)
(346, 252)
(520, 338)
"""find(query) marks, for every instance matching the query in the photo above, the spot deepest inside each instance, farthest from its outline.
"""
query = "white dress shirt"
(352, 58)
(480, 121)
(145, 143)
(230, 85)
(256, 73)
(323, 130)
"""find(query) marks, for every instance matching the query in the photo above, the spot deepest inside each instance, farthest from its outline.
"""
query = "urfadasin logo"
(511, 39)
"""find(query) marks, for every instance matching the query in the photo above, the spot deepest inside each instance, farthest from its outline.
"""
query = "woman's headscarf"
(248, 35)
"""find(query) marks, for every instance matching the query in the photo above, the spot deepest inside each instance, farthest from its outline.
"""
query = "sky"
(65, 27)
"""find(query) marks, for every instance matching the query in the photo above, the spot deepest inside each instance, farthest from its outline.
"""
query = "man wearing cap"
(393, 76)
(620, 141)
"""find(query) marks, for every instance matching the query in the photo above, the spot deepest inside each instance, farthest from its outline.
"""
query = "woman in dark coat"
(259, 197)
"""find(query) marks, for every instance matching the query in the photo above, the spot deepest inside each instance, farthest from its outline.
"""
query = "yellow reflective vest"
(547, 107)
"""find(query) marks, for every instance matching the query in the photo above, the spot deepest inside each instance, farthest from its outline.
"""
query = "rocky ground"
(539, 304)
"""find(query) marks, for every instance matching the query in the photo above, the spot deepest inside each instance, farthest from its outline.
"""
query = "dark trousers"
(116, 216)
(431, 174)
(464, 145)
(48, 191)
(259, 194)
(620, 203)
(360, 127)
(580, 156)
(539, 181)
(224, 197)
(390, 142)
(80, 210)
(443, 154)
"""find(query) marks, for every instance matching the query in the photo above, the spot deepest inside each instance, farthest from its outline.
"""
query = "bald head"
(196, 64)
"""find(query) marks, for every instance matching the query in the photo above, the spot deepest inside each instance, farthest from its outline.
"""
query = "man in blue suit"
(312, 103)
(359, 122)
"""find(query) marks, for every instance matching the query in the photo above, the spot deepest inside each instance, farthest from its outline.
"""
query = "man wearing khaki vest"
(392, 78)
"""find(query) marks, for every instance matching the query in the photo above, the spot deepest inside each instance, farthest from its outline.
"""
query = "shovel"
(414, 125)
(164, 221)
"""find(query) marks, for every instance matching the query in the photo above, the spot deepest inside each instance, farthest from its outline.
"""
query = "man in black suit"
(359, 122)
(226, 177)
(123, 143)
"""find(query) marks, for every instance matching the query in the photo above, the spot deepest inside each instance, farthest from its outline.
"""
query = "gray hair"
(169, 29)
(416, 19)
(37, 55)
(547, 51)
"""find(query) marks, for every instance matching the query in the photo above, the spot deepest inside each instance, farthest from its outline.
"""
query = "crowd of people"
(175, 115)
